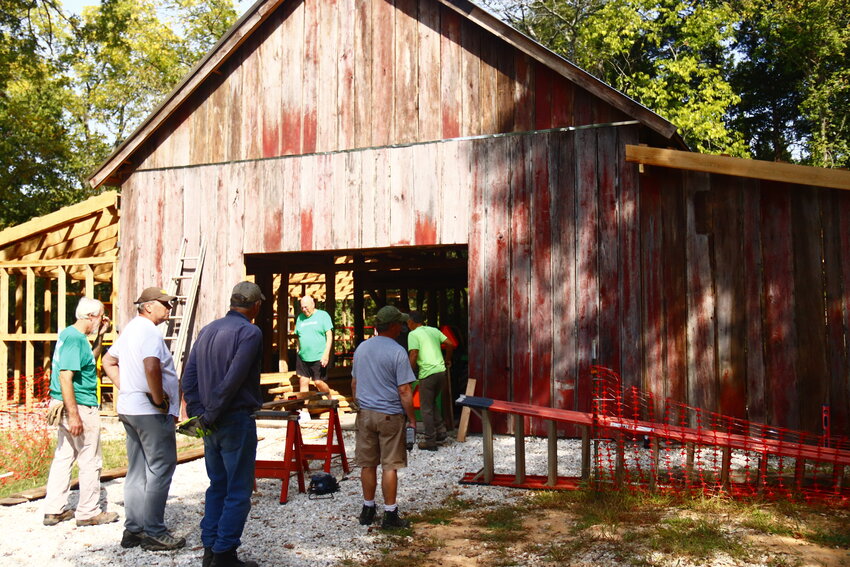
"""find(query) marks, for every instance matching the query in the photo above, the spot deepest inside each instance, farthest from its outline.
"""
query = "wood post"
(29, 329)
(585, 453)
(519, 448)
(283, 323)
(464, 413)
(4, 328)
(487, 430)
(553, 453)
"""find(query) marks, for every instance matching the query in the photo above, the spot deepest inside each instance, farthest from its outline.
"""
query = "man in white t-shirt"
(140, 366)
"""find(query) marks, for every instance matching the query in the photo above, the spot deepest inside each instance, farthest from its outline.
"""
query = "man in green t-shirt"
(424, 345)
(73, 383)
(314, 330)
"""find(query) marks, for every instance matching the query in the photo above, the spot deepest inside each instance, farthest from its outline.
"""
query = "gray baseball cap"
(390, 314)
(246, 293)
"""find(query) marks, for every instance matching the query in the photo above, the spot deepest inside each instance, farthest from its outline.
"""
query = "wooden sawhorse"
(293, 457)
(327, 451)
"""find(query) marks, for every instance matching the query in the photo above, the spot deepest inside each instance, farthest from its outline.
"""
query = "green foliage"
(764, 78)
(72, 88)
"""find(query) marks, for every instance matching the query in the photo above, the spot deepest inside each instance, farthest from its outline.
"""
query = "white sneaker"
(304, 415)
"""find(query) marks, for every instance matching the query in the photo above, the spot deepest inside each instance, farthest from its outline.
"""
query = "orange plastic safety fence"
(25, 437)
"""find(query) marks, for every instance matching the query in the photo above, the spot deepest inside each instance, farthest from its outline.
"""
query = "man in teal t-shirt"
(73, 383)
(314, 330)
(424, 345)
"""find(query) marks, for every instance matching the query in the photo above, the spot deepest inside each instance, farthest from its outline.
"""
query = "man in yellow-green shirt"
(424, 345)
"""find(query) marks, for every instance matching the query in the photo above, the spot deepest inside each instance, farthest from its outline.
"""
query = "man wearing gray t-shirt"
(381, 378)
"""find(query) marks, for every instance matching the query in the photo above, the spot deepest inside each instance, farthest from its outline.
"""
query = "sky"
(76, 6)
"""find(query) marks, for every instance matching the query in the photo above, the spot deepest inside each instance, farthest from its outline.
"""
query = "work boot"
(427, 446)
(229, 559)
(131, 539)
(392, 521)
(367, 515)
(63, 516)
(162, 542)
(208, 557)
(102, 518)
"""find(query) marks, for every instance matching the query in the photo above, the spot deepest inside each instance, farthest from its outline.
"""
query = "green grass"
(32, 453)
(697, 538)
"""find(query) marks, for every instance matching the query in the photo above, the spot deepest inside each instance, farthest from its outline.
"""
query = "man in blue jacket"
(221, 385)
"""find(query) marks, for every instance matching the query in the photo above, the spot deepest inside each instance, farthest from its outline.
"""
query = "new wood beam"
(749, 168)
(62, 216)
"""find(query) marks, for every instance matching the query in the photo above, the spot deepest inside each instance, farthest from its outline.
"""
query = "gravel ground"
(303, 532)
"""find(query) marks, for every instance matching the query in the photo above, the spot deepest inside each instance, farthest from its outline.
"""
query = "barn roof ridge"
(261, 10)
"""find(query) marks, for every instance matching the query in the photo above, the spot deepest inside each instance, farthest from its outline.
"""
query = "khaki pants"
(85, 450)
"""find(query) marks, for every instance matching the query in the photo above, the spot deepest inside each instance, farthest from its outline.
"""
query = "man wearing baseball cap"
(381, 377)
(140, 365)
(221, 386)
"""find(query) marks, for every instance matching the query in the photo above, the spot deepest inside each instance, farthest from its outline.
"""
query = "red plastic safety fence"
(24, 435)
(689, 450)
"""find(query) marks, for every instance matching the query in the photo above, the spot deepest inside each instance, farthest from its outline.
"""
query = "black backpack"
(322, 484)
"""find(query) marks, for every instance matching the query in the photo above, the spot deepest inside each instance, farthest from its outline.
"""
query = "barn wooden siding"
(325, 75)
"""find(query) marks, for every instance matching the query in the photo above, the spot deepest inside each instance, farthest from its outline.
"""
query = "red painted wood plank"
(342, 227)
(470, 78)
(675, 285)
(811, 368)
(478, 345)
(752, 237)
(251, 125)
(235, 108)
(353, 200)
(345, 75)
(727, 228)
(270, 105)
(652, 292)
(563, 93)
(630, 265)
(523, 92)
(428, 67)
(840, 388)
(450, 73)
(780, 333)
(564, 345)
(310, 78)
(363, 73)
(608, 347)
(541, 277)
(291, 206)
(426, 195)
(836, 351)
(292, 59)
(505, 87)
(383, 196)
(488, 86)
(498, 235)
(307, 200)
(324, 201)
(544, 79)
(520, 266)
(702, 369)
(587, 269)
(455, 169)
(583, 107)
(383, 39)
(401, 198)
(260, 188)
(327, 99)
(406, 69)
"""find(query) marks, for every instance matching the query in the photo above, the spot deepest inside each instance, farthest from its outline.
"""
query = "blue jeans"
(151, 460)
(230, 454)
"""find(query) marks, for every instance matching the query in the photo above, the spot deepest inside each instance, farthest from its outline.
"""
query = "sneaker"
(208, 557)
(367, 515)
(229, 559)
(162, 542)
(102, 518)
(392, 521)
(131, 539)
(63, 516)
(426, 446)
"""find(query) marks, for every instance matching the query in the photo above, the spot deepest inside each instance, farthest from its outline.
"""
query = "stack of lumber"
(279, 385)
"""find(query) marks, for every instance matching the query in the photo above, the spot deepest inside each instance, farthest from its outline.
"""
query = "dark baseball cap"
(155, 294)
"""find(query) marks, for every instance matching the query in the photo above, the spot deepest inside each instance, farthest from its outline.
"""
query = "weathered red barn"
(426, 144)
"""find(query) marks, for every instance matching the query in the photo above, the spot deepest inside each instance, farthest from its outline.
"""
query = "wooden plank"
(30, 347)
(630, 266)
(505, 87)
(563, 202)
(4, 328)
(727, 230)
(327, 81)
(674, 262)
(478, 298)
(809, 286)
(780, 334)
(488, 87)
(401, 196)
(450, 73)
(587, 268)
(363, 73)
(544, 80)
(428, 69)
(470, 70)
(523, 93)
(840, 389)
(426, 197)
(652, 292)
(235, 108)
(609, 316)
(463, 425)
(520, 252)
(291, 71)
(702, 371)
(836, 352)
(383, 196)
(752, 258)
(740, 167)
(498, 282)
(309, 180)
(60, 234)
(541, 277)
(406, 72)
(345, 75)
(563, 95)
(291, 205)
(310, 78)
(324, 200)
(383, 102)
(353, 199)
